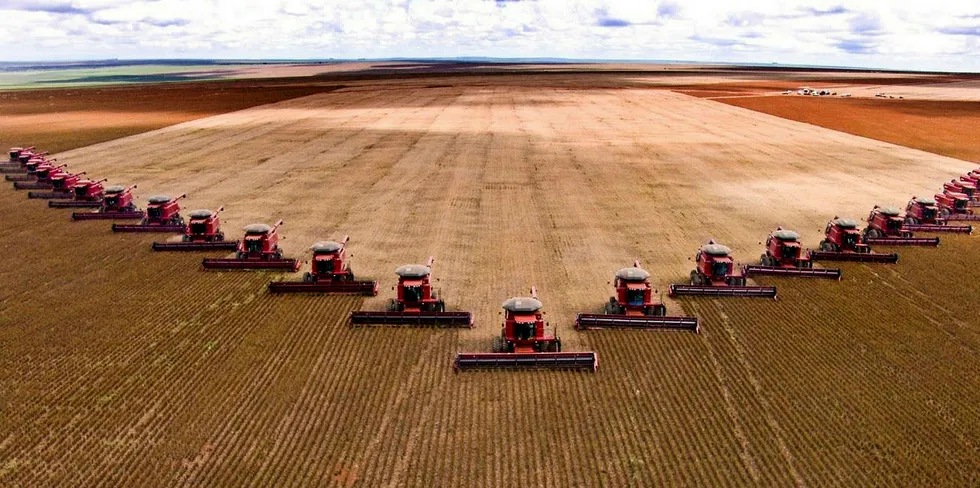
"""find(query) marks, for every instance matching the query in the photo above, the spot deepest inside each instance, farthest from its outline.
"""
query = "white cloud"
(939, 35)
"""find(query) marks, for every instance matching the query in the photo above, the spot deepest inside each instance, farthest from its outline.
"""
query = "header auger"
(85, 194)
(259, 249)
(785, 257)
(524, 343)
(330, 273)
(887, 227)
(633, 307)
(416, 303)
(203, 233)
(117, 204)
(162, 215)
(715, 275)
(842, 242)
(922, 215)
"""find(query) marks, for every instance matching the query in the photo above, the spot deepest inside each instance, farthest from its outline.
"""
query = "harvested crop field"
(124, 367)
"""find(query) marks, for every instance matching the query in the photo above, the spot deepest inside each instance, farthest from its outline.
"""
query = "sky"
(940, 35)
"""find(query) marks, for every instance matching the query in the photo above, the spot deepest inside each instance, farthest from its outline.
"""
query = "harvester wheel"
(656, 311)
(440, 306)
(186, 238)
(498, 344)
(555, 346)
(827, 246)
(695, 279)
(873, 234)
(220, 237)
(307, 277)
(945, 213)
(911, 220)
(240, 255)
(277, 254)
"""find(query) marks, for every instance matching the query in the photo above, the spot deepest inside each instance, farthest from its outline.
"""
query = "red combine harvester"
(842, 242)
(203, 233)
(61, 186)
(85, 194)
(785, 257)
(29, 170)
(330, 273)
(959, 186)
(14, 165)
(117, 204)
(416, 303)
(42, 177)
(921, 215)
(955, 207)
(162, 215)
(633, 307)
(717, 276)
(524, 343)
(259, 249)
(887, 227)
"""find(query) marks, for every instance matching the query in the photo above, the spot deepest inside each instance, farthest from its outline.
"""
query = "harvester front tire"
(911, 220)
(695, 279)
(498, 344)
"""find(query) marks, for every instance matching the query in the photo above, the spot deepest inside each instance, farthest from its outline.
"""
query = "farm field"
(122, 367)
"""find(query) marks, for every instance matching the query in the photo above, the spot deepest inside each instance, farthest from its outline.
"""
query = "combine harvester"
(416, 304)
(117, 204)
(14, 165)
(259, 249)
(162, 215)
(85, 194)
(887, 228)
(524, 343)
(962, 186)
(633, 307)
(955, 207)
(29, 170)
(785, 257)
(42, 177)
(842, 242)
(921, 215)
(330, 273)
(61, 187)
(717, 276)
(203, 233)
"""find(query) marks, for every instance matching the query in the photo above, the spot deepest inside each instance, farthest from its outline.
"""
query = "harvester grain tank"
(886, 227)
(258, 249)
(634, 307)
(162, 215)
(842, 242)
(784, 256)
(202, 233)
(416, 303)
(955, 206)
(330, 272)
(85, 194)
(117, 204)
(524, 343)
(61, 186)
(922, 215)
(716, 275)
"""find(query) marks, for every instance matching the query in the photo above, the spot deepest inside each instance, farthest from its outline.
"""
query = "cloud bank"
(938, 35)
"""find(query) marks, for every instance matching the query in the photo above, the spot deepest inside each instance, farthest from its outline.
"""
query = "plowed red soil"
(941, 127)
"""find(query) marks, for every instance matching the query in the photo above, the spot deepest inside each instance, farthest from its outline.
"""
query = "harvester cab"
(842, 242)
(260, 242)
(784, 257)
(163, 210)
(415, 303)
(414, 290)
(715, 274)
(633, 306)
(66, 181)
(15, 153)
(887, 227)
(525, 343)
(258, 249)
(118, 198)
(330, 273)
(204, 226)
(921, 210)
